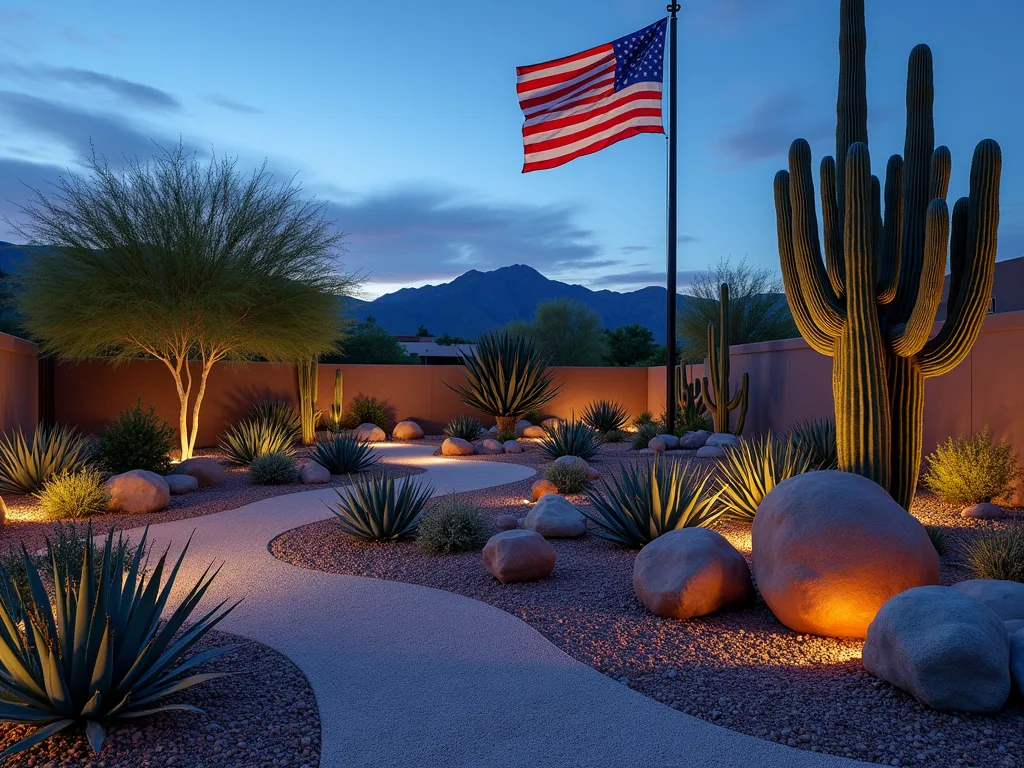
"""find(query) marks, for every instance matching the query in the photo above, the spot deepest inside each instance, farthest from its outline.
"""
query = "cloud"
(687, 239)
(635, 248)
(17, 18)
(230, 104)
(644, 277)
(770, 127)
(138, 94)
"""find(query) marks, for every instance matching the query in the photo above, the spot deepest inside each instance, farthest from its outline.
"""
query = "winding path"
(410, 677)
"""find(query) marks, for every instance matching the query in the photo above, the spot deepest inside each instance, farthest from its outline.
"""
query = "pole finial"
(673, 8)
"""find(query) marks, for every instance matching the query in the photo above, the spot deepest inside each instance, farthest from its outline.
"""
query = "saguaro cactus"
(308, 371)
(688, 395)
(872, 303)
(714, 393)
(338, 399)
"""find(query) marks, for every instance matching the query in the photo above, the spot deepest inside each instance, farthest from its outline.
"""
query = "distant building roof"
(426, 349)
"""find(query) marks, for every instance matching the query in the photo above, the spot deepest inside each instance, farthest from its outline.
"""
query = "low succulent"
(26, 466)
(273, 469)
(343, 454)
(379, 509)
(465, 427)
(605, 416)
(753, 468)
(817, 438)
(569, 437)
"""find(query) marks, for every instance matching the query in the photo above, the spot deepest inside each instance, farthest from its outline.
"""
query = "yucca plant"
(505, 377)
(25, 467)
(465, 427)
(379, 509)
(271, 427)
(817, 438)
(343, 455)
(99, 653)
(753, 468)
(605, 416)
(652, 499)
(570, 438)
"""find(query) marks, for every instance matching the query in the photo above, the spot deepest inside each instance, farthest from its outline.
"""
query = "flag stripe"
(555, 64)
(556, 97)
(646, 92)
(599, 124)
(540, 165)
(547, 86)
(607, 132)
(542, 80)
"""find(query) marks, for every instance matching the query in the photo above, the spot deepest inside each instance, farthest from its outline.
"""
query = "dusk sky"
(403, 117)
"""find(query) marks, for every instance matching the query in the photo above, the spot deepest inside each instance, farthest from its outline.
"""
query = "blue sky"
(402, 116)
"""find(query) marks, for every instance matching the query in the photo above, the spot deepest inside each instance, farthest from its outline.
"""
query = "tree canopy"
(630, 345)
(368, 343)
(566, 332)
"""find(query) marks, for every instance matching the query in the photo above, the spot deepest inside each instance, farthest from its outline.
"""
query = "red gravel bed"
(740, 669)
(265, 716)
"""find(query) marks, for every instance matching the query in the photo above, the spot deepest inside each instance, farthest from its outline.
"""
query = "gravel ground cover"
(740, 669)
(264, 716)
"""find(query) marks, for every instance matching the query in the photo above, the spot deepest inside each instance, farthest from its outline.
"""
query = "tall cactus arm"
(908, 338)
(708, 393)
(852, 100)
(740, 401)
(938, 177)
(821, 299)
(877, 228)
(820, 341)
(831, 228)
(892, 231)
(964, 320)
(957, 250)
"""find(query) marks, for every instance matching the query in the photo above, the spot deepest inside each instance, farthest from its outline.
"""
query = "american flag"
(580, 104)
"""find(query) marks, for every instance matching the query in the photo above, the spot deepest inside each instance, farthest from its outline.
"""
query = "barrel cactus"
(714, 394)
(871, 303)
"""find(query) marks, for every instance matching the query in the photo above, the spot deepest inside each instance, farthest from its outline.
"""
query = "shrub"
(270, 427)
(939, 538)
(972, 471)
(615, 436)
(25, 467)
(343, 455)
(454, 525)
(110, 658)
(273, 469)
(651, 500)
(504, 437)
(136, 439)
(74, 494)
(464, 427)
(368, 410)
(752, 469)
(279, 414)
(605, 415)
(570, 438)
(644, 434)
(568, 478)
(644, 417)
(379, 509)
(817, 439)
(684, 423)
(998, 554)
(533, 416)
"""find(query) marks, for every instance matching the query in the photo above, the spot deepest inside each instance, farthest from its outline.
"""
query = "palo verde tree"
(185, 262)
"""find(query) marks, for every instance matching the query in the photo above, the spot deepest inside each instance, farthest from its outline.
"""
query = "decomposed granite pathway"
(412, 677)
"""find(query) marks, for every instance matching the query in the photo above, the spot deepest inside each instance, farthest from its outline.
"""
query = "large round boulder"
(943, 647)
(1006, 598)
(490, 447)
(534, 432)
(1017, 661)
(207, 471)
(407, 430)
(511, 446)
(542, 488)
(553, 517)
(722, 440)
(370, 433)
(691, 441)
(312, 473)
(456, 446)
(138, 492)
(181, 484)
(690, 572)
(521, 427)
(830, 548)
(518, 556)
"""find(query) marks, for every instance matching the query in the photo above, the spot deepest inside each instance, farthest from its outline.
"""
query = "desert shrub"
(273, 469)
(605, 415)
(568, 478)
(136, 439)
(270, 427)
(533, 416)
(972, 471)
(570, 438)
(644, 417)
(998, 554)
(615, 436)
(686, 423)
(366, 409)
(752, 469)
(503, 437)
(74, 494)
(644, 434)
(379, 509)
(939, 538)
(342, 455)
(817, 439)
(453, 525)
(25, 467)
(652, 499)
(465, 427)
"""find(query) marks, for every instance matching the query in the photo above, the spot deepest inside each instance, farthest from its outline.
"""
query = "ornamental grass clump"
(136, 439)
(379, 509)
(26, 466)
(817, 439)
(568, 478)
(972, 471)
(73, 495)
(644, 434)
(365, 409)
(651, 500)
(463, 427)
(998, 554)
(343, 455)
(749, 471)
(273, 469)
(98, 653)
(605, 416)
(270, 427)
(454, 525)
(570, 438)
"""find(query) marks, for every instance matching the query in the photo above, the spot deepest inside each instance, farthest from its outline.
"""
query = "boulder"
(657, 445)
(551, 423)
(138, 492)
(511, 446)
(710, 452)
(691, 441)
(407, 430)
(542, 488)
(518, 556)
(1017, 661)
(493, 430)
(314, 474)
(506, 522)
(490, 447)
(671, 441)
(521, 426)
(1006, 598)
(722, 440)
(534, 432)
(592, 474)
(1013, 626)
(553, 517)
(830, 548)
(690, 572)
(179, 484)
(207, 471)
(370, 433)
(943, 647)
(456, 446)
(984, 511)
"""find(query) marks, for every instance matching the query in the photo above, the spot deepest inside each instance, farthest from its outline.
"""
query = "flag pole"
(670, 329)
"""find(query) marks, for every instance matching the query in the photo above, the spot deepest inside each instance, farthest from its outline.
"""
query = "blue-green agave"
(570, 438)
(379, 509)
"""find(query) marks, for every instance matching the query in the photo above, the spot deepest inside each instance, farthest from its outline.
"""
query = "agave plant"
(505, 377)
(465, 427)
(99, 652)
(753, 468)
(379, 509)
(570, 438)
(605, 416)
(343, 455)
(270, 427)
(817, 438)
(25, 467)
(651, 500)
